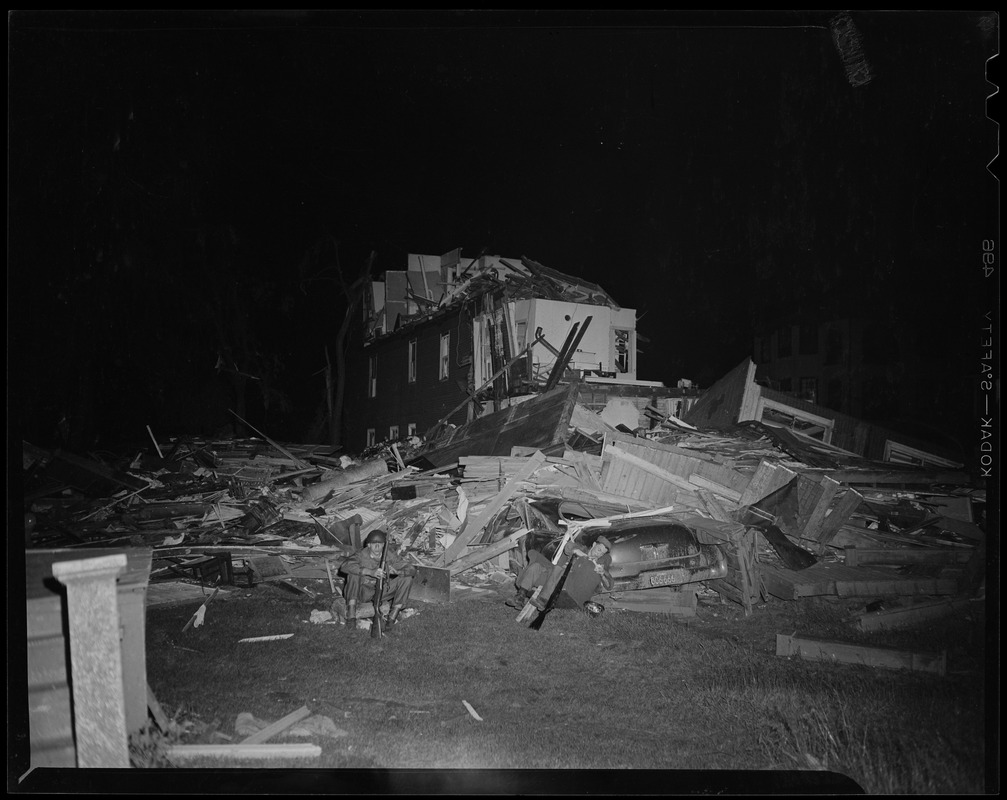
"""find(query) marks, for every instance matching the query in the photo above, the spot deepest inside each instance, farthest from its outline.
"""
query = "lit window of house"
(412, 360)
(411, 429)
(445, 362)
(372, 376)
(393, 433)
(622, 350)
(370, 437)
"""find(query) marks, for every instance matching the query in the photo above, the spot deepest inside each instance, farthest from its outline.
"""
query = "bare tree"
(324, 255)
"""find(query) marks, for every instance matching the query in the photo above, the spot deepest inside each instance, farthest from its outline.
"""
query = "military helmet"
(376, 536)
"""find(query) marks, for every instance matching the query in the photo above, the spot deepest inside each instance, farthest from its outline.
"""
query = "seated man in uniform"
(363, 570)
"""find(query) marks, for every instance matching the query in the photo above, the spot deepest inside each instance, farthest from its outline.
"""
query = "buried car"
(647, 551)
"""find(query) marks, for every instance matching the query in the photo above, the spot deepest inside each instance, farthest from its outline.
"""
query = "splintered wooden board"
(662, 600)
(431, 585)
(849, 653)
(838, 579)
(664, 479)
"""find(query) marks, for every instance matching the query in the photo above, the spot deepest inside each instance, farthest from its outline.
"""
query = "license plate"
(665, 578)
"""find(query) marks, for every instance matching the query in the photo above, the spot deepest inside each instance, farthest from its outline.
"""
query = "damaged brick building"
(450, 338)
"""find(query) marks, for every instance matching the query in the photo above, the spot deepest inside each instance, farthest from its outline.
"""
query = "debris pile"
(797, 517)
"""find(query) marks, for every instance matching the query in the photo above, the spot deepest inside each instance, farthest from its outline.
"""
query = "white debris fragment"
(266, 638)
(472, 711)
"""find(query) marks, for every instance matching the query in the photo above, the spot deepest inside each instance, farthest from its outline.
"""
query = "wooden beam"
(768, 477)
(156, 711)
(716, 488)
(967, 530)
(717, 511)
(839, 515)
(650, 469)
(475, 527)
(297, 461)
(279, 726)
(242, 752)
(863, 556)
(897, 477)
(911, 615)
(813, 526)
(849, 653)
(486, 553)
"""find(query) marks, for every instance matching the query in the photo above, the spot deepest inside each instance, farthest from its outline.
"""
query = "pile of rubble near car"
(686, 511)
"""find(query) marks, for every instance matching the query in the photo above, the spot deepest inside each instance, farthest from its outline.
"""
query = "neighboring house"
(848, 365)
(737, 397)
(453, 338)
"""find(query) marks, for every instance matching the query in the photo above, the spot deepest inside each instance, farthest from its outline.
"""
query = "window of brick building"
(784, 344)
(808, 340)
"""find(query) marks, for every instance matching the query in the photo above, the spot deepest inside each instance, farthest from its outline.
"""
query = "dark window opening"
(784, 346)
(808, 341)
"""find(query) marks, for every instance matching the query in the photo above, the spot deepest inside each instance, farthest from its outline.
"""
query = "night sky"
(178, 180)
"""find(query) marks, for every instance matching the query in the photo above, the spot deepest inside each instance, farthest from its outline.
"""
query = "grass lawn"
(623, 691)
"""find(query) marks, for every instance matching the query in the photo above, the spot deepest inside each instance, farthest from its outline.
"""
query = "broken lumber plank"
(374, 468)
(838, 579)
(764, 481)
(431, 585)
(890, 619)
(297, 461)
(584, 496)
(294, 587)
(713, 505)
(967, 530)
(716, 488)
(838, 516)
(650, 469)
(813, 525)
(893, 556)
(725, 588)
(156, 711)
(893, 478)
(474, 527)
(849, 653)
(277, 727)
(662, 600)
(487, 552)
(242, 752)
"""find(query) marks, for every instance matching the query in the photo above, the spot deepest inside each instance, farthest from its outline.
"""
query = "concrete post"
(96, 659)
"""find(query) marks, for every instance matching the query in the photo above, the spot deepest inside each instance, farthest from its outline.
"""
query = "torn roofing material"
(431, 284)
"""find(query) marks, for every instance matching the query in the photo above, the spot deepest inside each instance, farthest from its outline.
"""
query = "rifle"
(379, 589)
